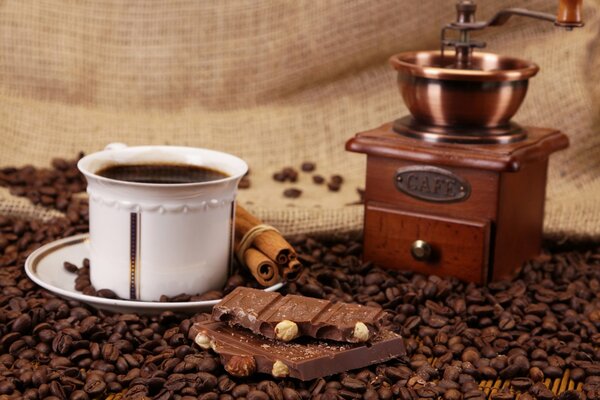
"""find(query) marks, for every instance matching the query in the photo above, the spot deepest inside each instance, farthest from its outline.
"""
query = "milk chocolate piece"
(244, 353)
(261, 312)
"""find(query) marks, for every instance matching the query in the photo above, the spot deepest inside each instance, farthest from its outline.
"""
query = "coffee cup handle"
(115, 146)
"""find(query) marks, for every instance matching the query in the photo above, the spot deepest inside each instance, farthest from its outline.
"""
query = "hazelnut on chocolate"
(203, 341)
(241, 366)
(361, 332)
(280, 370)
(286, 330)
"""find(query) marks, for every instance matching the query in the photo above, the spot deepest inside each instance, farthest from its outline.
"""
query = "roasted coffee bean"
(60, 362)
(225, 384)
(332, 386)
(7, 387)
(451, 373)
(452, 394)
(510, 371)
(521, 384)
(336, 179)
(204, 381)
(241, 390)
(308, 166)
(333, 186)
(205, 396)
(208, 364)
(521, 362)
(72, 268)
(536, 374)
(271, 389)
(31, 394)
(292, 193)
(138, 390)
(502, 395)
(244, 183)
(110, 352)
(279, 177)
(290, 394)
(539, 354)
(175, 382)
(106, 293)
(94, 386)
(57, 390)
(474, 394)
(405, 393)
(79, 395)
(22, 324)
(471, 355)
(540, 391)
(353, 384)
(487, 372)
(61, 344)
(257, 395)
(577, 374)
(553, 372)
(318, 179)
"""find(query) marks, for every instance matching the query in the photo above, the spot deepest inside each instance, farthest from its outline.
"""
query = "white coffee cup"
(153, 239)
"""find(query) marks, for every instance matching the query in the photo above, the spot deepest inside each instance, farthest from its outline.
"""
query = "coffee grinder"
(457, 188)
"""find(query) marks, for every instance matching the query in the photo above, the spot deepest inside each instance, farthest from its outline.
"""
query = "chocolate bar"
(287, 317)
(244, 353)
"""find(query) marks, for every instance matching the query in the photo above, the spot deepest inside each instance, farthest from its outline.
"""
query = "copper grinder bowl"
(486, 96)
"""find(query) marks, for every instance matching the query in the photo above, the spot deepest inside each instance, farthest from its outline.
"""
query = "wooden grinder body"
(478, 208)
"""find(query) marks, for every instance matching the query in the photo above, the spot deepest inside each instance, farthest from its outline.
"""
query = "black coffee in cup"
(161, 173)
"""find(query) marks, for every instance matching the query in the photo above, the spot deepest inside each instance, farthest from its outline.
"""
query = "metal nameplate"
(432, 184)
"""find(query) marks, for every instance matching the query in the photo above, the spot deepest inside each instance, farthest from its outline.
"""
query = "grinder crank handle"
(569, 13)
(568, 16)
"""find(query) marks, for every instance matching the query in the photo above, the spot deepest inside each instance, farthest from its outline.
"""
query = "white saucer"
(45, 267)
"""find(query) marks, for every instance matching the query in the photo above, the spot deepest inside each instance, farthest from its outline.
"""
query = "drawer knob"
(421, 250)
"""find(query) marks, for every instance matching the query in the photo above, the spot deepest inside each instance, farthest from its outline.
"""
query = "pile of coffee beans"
(529, 331)
(50, 187)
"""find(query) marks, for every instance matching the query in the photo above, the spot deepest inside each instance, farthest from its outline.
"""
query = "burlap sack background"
(275, 82)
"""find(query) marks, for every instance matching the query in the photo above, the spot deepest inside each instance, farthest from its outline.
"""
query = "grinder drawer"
(428, 244)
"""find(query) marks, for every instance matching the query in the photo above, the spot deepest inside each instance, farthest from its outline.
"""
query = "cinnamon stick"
(290, 275)
(292, 271)
(261, 267)
(294, 265)
(270, 243)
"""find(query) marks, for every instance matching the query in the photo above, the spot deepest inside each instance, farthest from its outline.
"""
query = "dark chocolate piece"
(287, 317)
(244, 353)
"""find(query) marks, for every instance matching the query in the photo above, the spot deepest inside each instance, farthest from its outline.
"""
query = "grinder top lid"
(469, 96)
